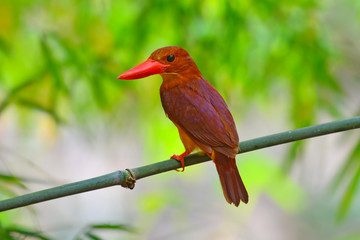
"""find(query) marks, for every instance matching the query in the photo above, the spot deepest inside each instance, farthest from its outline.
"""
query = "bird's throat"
(171, 80)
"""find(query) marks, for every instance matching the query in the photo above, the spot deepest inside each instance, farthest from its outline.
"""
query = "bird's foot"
(180, 158)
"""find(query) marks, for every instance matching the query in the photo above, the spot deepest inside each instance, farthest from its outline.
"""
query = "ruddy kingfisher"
(199, 113)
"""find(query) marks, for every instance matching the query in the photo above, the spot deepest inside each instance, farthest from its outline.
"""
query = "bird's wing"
(203, 114)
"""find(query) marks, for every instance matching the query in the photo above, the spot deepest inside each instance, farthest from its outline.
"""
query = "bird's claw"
(180, 158)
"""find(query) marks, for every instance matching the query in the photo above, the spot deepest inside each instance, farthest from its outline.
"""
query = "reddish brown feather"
(202, 114)
(231, 182)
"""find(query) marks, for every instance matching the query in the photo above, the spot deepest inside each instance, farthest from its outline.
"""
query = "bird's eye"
(170, 58)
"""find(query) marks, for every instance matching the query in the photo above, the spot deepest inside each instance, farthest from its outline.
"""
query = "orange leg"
(180, 158)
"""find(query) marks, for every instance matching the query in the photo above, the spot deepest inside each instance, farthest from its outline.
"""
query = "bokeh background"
(65, 117)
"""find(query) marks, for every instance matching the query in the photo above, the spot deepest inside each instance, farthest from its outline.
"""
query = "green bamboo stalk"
(126, 178)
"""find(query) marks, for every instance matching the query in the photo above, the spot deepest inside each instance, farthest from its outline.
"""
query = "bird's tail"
(231, 183)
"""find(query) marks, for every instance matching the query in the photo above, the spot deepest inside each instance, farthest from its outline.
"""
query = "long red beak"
(145, 69)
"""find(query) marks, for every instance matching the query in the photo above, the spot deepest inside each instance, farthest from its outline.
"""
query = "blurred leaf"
(349, 196)
(37, 106)
(92, 236)
(89, 230)
(52, 66)
(20, 233)
(121, 227)
(13, 180)
(348, 168)
(98, 90)
(4, 47)
(24, 86)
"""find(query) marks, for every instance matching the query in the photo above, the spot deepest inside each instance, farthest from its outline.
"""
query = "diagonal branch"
(126, 178)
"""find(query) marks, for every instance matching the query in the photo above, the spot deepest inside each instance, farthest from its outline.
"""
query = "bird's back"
(202, 113)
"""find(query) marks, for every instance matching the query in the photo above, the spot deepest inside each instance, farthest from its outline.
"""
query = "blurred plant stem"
(126, 178)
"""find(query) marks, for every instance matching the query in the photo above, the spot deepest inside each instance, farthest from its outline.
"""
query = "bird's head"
(165, 61)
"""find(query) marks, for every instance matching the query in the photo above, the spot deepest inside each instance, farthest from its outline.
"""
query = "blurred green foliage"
(70, 53)
(91, 232)
(19, 232)
(63, 57)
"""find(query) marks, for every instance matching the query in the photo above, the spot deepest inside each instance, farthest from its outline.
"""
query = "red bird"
(199, 112)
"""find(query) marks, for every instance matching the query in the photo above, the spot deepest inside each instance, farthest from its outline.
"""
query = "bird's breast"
(172, 96)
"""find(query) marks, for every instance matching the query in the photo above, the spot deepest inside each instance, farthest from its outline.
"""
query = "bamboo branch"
(126, 178)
